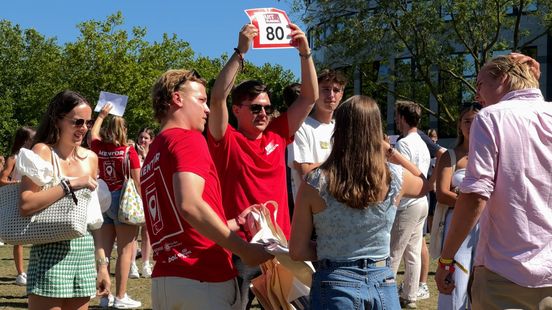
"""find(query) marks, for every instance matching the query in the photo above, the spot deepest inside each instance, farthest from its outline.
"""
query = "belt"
(360, 263)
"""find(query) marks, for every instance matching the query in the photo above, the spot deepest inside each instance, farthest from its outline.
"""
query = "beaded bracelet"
(240, 55)
(305, 56)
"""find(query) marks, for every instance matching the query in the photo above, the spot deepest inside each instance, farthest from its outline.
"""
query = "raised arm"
(301, 107)
(218, 116)
(95, 131)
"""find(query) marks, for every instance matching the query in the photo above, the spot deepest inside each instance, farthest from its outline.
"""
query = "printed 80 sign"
(273, 25)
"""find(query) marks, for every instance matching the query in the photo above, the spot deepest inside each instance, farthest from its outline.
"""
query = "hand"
(444, 281)
(534, 65)
(83, 182)
(255, 254)
(103, 282)
(247, 33)
(299, 39)
(105, 110)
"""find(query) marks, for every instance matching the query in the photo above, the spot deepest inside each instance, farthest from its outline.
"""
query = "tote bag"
(131, 210)
(62, 220)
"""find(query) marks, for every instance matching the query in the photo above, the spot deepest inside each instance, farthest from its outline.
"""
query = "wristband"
(104, 261)
(240, 56)
(305, 56)
(65, 187)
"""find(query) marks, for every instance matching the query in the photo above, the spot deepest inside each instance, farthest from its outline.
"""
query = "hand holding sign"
(273, 27)
(119, 103)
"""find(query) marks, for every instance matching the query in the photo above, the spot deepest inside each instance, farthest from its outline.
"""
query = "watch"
(102, 261)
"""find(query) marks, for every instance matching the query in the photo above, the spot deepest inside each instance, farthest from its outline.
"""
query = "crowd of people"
(356, 206)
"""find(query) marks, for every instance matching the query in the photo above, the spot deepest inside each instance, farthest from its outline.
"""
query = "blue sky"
(210, 26)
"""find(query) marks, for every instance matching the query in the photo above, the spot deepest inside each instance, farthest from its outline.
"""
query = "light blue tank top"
(345, 233)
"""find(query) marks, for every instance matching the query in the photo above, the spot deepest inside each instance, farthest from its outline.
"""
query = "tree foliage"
(104, 57)
(427, 48)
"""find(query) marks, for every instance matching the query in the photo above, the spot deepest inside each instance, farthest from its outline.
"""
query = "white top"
(312, 144)
(415, 150)
(458, 177)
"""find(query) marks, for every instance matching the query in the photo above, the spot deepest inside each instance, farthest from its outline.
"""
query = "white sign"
(273, 26)
(119, 103)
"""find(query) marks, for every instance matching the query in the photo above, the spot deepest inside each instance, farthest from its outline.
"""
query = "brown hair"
(333, 76)
(168, 83)
(410, 111)
(356, 169)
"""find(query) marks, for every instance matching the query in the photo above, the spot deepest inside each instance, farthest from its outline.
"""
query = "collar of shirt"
(529, 93)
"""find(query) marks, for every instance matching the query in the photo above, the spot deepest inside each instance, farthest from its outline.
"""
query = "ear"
(176, 99)
(235, 110)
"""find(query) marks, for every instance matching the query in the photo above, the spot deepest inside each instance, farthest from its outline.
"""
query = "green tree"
(104, 57)
(429, 48)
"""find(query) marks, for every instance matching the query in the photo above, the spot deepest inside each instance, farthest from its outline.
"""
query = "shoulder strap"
(126, 163)
(55, 163)
(452, 155)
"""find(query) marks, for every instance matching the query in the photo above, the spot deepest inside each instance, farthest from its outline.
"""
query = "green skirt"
(63, 269)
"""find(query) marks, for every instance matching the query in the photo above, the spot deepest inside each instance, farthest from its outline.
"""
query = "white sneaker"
(146, 270)
(126, 303)
(423, 291)
(21, 279)
(107, 301)
(134, 274)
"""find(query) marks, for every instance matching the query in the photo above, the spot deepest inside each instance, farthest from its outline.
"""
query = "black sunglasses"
(79, 122)
(256, 108)
(186, 77)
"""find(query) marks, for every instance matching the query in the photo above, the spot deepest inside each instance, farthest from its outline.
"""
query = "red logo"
(272, 18)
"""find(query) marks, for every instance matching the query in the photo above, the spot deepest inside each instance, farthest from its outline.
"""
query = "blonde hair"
(519, 75)
(356, 169)
(168, 83)
(114, 131)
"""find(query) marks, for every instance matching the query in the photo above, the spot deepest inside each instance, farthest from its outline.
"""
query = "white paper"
(119, 103)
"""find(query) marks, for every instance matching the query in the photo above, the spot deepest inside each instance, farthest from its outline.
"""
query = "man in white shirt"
(407, 231)
(312, 143)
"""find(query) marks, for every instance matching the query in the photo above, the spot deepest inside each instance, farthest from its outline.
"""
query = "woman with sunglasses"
(110, 143)
(61, 275)
(450, 171)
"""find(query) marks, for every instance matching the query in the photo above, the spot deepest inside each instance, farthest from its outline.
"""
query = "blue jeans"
(111, 216)
(353, 287)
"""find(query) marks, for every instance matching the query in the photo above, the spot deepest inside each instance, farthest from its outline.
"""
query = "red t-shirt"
(253, 171)
(110, 162)
(178, 249)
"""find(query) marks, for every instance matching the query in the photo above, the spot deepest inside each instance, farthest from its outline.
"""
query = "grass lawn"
(14, 297)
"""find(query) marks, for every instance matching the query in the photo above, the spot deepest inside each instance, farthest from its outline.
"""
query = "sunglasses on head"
(79, 122)
(187, 77)
(256, 108)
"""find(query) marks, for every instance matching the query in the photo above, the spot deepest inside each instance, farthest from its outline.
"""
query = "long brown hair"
(356, 170)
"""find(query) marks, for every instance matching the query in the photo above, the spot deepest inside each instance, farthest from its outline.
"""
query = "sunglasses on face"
(79, 122)
(256, 108)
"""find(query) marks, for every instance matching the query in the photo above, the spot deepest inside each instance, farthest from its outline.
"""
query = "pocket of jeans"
(387, 291)
(340, 295)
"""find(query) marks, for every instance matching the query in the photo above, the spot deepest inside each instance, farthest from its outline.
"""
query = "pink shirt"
(510, 163)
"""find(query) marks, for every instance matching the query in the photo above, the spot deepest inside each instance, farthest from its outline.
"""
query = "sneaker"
(146, 270)
(126, 303)
(133, 274)
(407, 304)
(21, 279)
(107, 301)
(423, 291)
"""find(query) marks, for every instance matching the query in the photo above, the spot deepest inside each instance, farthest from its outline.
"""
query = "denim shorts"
(111, 216)
(354, 287)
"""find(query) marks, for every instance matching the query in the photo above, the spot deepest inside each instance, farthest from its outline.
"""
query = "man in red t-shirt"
(183, 205)
(250, 159)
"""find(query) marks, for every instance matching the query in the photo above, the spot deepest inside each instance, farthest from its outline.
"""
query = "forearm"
(467, 211)
(446, 197)
(201, 217)
(32, 202)
(95, 131)
(225, 80)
